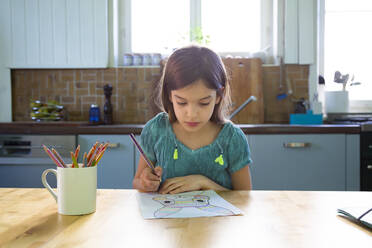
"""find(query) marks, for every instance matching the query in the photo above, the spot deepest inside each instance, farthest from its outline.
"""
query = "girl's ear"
(218, 97)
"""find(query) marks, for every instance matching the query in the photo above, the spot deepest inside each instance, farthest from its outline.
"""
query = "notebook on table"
(359, 215)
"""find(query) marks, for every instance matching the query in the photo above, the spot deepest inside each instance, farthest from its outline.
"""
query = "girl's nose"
(192, 111)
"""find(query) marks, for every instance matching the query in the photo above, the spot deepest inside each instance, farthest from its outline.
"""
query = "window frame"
(121, 27)
(355, 106)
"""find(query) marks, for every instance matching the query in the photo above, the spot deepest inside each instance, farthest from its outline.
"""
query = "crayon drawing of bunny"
(174, 203)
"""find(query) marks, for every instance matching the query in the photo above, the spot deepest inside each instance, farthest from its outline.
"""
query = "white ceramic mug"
(76, 189)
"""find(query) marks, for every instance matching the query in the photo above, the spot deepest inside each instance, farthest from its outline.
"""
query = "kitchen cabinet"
(55, 34)
(27, 175)
(116, 168)
(305, 162)
(300, 19)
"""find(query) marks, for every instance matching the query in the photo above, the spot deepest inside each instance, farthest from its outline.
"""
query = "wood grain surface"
(246, 80)
(29, 218)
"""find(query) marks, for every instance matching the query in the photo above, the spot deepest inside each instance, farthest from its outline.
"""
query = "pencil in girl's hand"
(56, 154)
(51, 155)
(148, 162)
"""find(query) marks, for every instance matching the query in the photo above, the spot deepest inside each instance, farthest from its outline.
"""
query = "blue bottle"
(94, 114)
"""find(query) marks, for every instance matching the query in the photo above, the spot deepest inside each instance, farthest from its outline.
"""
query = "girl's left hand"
(182, 184)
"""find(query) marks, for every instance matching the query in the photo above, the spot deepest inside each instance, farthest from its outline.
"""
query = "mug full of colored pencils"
(90, 159)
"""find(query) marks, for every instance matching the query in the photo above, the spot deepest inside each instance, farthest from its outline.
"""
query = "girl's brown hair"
(187, 65)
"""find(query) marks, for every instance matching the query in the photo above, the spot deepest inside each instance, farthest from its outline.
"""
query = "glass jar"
(137, 59)
(94, 114)
(127, 59)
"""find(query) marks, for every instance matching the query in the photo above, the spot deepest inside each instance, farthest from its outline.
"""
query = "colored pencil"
(84, 158)
(56, 154)
(55, 160)
(148, 162)
(92, 157)
(92, 150)
(74, 162)
(77, 152)
(101, 153)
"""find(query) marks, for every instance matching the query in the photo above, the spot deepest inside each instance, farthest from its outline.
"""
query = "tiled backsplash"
(277, 111)
(77, 89)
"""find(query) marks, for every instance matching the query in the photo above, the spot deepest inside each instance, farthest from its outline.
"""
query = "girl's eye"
(181, 103)
(204, 103)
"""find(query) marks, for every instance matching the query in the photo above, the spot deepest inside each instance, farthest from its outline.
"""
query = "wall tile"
(133, 91)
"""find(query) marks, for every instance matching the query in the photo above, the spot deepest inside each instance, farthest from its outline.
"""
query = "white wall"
(5, 85)
(5, 95)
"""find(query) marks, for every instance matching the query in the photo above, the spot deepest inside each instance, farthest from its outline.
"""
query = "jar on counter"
(127, 59)
(94, 114)
(137, 59)
(146, 59)
(155, 58)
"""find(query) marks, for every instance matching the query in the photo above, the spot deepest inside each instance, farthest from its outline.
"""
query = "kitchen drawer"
(298, 162)
(116, 168)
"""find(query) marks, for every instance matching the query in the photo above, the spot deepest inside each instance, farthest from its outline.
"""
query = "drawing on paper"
(174, 203)
(185, 205)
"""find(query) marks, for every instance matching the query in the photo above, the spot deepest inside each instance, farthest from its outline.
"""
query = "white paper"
(185, 205)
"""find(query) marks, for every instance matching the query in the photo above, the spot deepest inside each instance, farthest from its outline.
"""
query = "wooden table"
(29, 218)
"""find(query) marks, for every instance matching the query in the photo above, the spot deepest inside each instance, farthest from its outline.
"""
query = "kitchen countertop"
(29, 218)
(56, 128)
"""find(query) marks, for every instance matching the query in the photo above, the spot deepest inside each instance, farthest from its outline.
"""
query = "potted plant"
(338, 101)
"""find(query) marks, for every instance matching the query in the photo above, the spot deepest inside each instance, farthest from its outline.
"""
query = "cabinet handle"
(113, 145)
(369, 167)
(296, 144)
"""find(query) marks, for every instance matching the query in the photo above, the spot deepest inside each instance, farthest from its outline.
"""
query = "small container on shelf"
(94, 114)
(137, 59)
(127, 59)
(146, 59)
(155, 58)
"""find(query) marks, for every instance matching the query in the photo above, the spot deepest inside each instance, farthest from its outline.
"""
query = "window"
(233, 26)
(230, 27)
(347, 45)
(159, 26)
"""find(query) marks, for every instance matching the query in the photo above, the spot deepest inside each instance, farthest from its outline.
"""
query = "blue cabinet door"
(298, 162)
(116, 168)
(27, 175)
(353, 162)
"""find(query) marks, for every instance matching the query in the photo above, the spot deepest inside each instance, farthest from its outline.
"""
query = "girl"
(191, 143)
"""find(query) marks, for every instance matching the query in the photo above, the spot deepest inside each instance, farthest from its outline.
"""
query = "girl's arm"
(189, 183)
(144, 179)
(241, 179)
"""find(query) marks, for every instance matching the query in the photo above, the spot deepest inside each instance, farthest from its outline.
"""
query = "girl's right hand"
(150, 182)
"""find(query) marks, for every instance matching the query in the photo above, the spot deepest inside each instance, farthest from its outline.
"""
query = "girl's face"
(194, 105)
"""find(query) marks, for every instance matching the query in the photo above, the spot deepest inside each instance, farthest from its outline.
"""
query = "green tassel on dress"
(175, 154)
(219, 160)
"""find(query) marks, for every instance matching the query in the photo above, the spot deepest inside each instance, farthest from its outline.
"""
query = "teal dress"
(228, 153)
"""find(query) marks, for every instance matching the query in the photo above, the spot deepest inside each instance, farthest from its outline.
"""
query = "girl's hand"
(149, 181)
(182, 184)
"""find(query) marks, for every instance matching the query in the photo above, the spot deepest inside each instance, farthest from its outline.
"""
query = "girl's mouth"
(192, 124)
